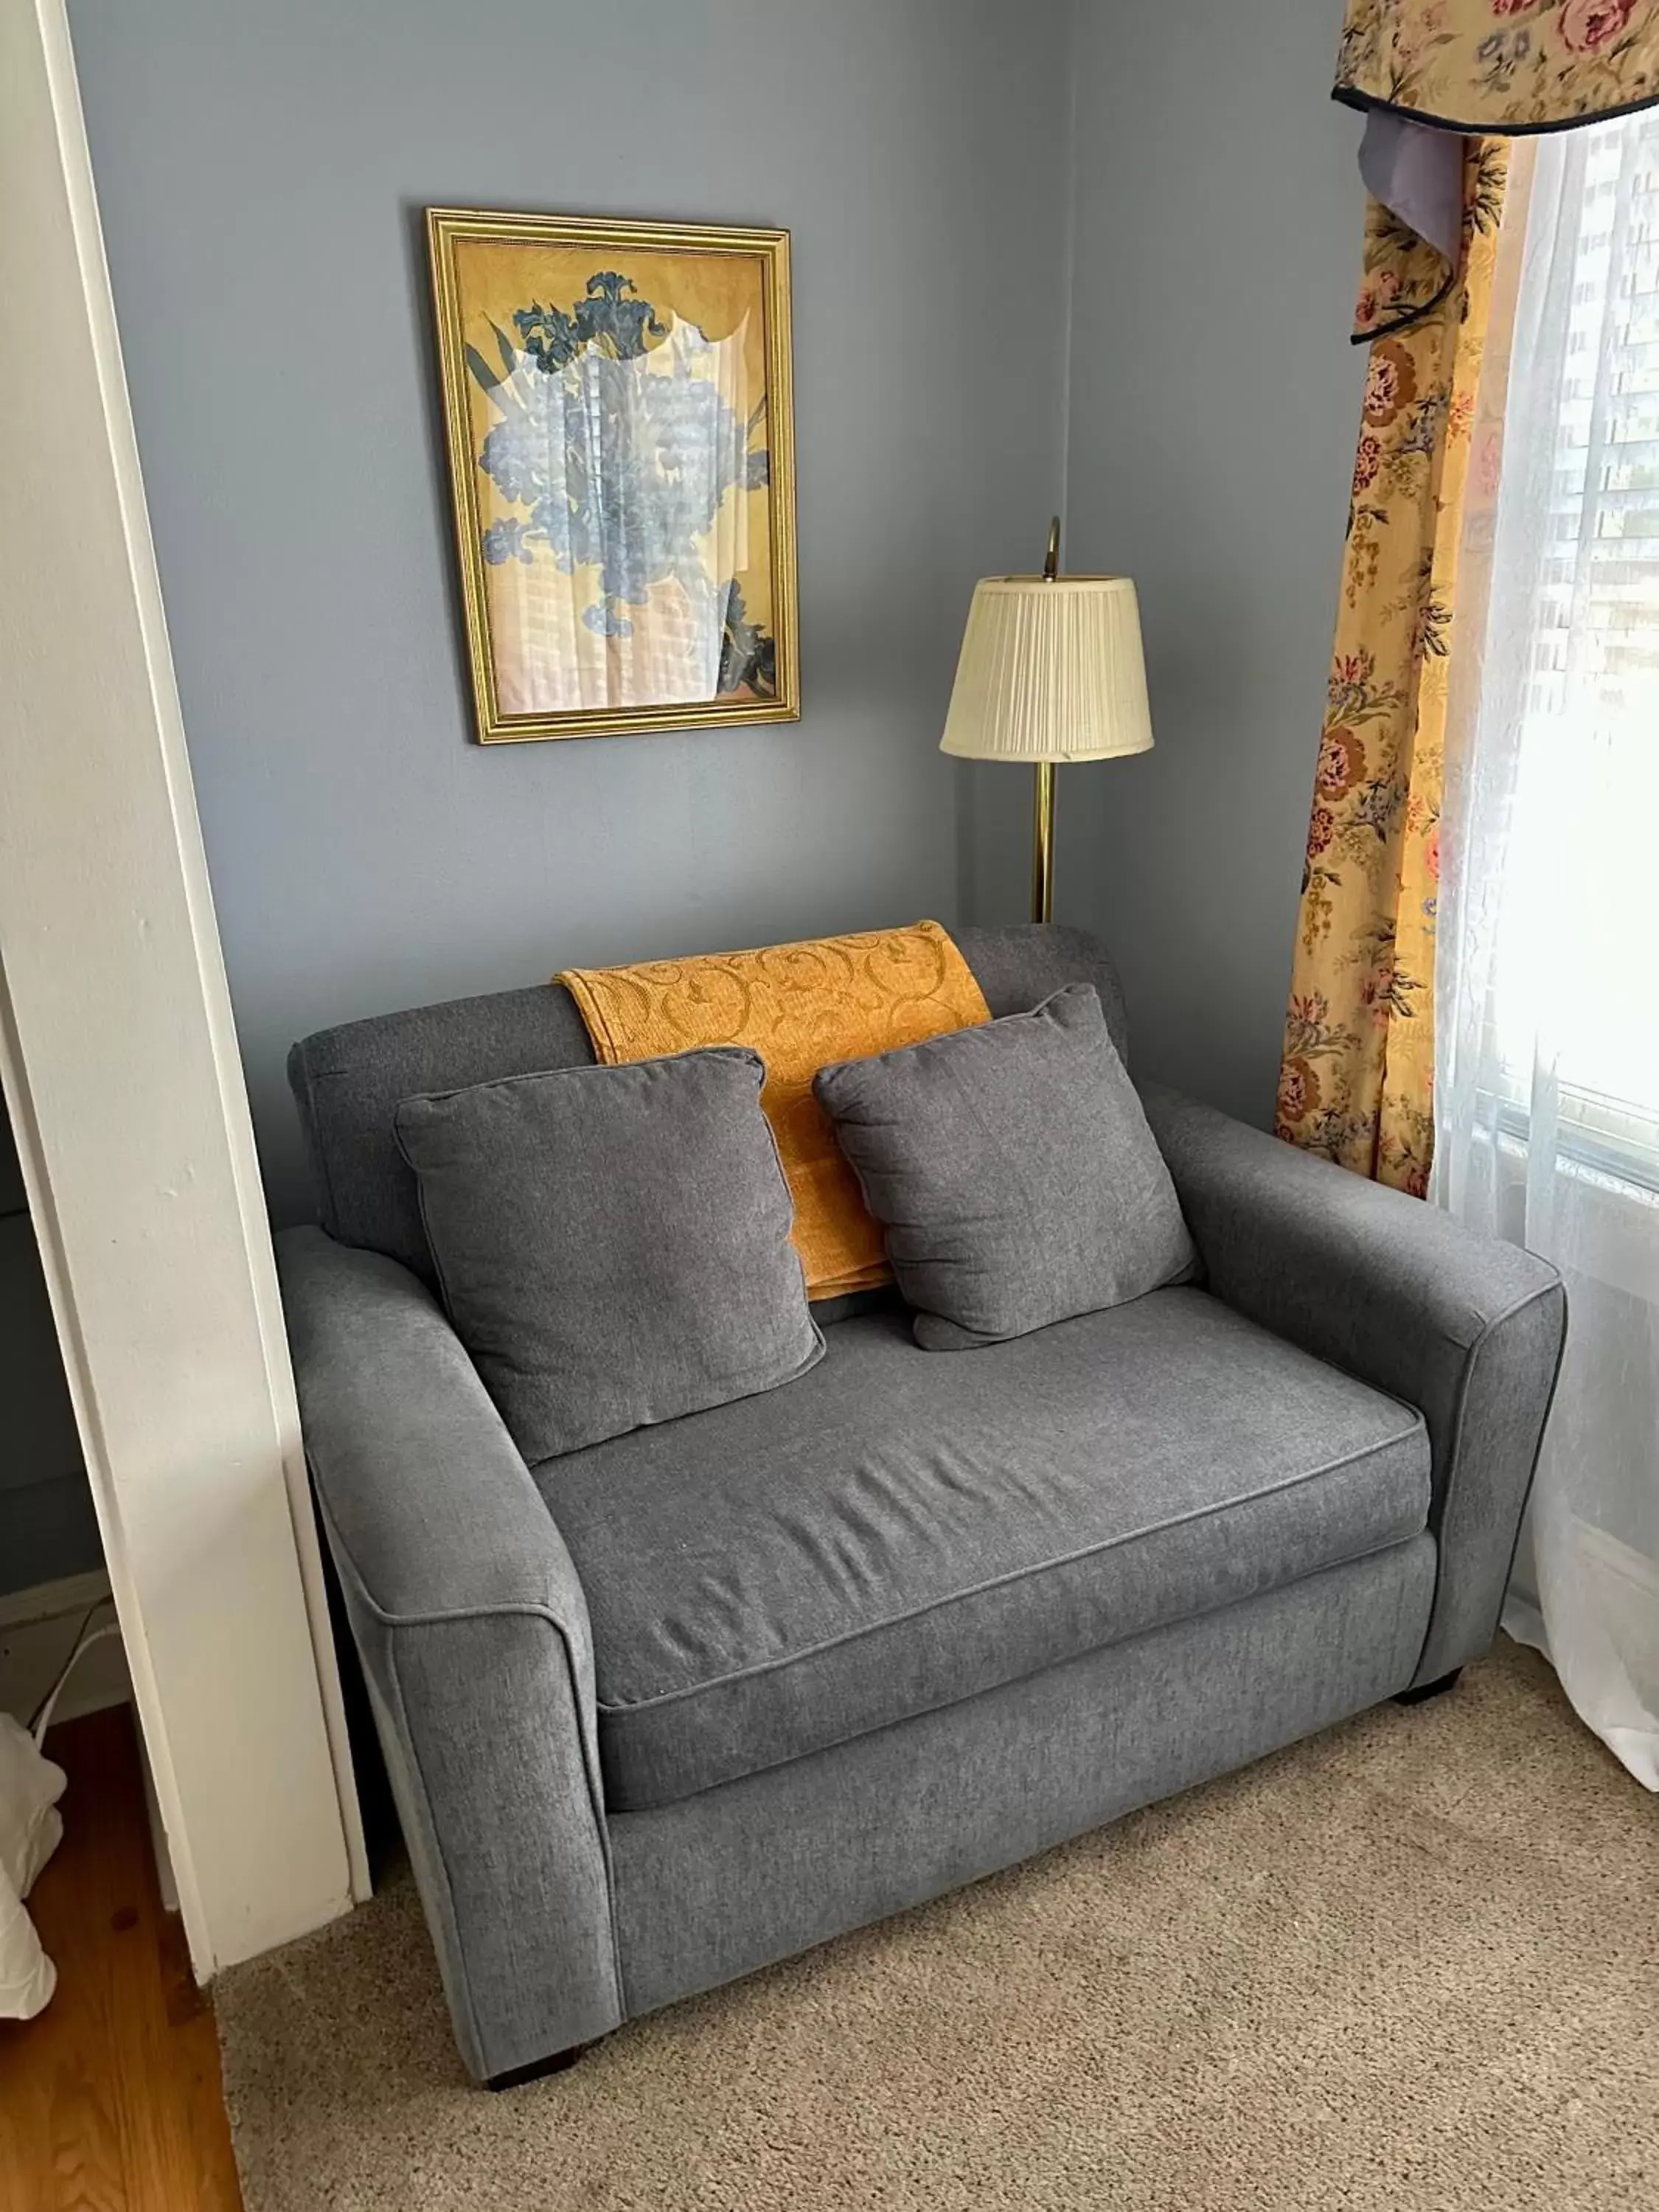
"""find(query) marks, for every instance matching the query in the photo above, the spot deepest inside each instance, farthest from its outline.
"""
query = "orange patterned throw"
(800, 1006)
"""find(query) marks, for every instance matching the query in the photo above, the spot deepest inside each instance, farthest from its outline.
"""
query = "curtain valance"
(1429, 72)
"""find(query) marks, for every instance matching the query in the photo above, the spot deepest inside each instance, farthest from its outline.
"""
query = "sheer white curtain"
(1547, 1084)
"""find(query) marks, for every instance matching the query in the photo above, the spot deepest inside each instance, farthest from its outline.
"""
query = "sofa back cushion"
(1014, 1172)
(348, 1081)
(613, 1244)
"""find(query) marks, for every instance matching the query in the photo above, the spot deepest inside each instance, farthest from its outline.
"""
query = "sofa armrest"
(474, 1636)
(1395, 1291)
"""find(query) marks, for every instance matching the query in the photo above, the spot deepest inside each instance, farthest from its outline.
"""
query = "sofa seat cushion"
(899, 1529)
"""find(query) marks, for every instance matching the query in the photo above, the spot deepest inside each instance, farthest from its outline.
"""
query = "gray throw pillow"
(612, 1242)
(1013, 1172)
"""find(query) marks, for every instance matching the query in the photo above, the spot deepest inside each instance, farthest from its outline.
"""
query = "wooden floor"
(110, 2100)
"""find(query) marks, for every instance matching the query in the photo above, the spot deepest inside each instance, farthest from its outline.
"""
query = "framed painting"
(616, 400)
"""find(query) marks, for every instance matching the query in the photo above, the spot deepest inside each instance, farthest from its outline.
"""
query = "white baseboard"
(38, 1629)
(1631, 1566)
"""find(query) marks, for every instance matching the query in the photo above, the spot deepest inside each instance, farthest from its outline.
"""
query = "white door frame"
(121, 1072)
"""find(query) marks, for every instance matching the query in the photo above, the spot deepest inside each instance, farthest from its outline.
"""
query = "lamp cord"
(40, 1719)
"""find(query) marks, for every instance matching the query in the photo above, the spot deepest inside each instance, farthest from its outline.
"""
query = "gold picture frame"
(620, 443)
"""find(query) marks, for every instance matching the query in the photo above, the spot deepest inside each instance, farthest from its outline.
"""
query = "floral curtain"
(1356, 1082)
(1424, 71)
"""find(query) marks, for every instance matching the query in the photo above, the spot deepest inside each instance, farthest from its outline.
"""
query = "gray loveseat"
(694, 1698)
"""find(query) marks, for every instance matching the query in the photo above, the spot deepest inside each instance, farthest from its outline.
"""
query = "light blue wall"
(261, 174)
(1214, 408)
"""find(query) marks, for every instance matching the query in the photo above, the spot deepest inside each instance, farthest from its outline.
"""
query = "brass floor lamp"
(1051, 671)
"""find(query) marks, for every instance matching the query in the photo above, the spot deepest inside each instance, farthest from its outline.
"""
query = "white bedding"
(30, 1829)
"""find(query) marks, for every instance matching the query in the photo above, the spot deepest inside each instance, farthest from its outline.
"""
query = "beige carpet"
(1413, 1963)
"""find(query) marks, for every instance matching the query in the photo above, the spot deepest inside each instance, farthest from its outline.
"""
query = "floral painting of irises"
(617, 411)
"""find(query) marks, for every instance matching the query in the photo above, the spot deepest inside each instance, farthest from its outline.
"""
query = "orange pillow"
(800, 1006)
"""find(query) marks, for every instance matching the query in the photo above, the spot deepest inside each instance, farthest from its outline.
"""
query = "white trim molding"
(122, 1076)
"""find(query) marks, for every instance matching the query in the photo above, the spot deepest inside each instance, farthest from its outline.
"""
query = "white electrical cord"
(84, 1643)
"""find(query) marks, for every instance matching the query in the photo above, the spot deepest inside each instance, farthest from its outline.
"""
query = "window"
(1576, 608)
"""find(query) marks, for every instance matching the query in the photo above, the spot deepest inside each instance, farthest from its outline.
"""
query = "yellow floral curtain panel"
(1356, 1081)
(1443, 83)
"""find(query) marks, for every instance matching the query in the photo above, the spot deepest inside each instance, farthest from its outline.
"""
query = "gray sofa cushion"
(347, 1081)
(613, 1243)
(1013, 1173)
(896, 1531)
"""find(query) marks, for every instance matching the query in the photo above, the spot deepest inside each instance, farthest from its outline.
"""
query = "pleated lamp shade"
(1051, 670)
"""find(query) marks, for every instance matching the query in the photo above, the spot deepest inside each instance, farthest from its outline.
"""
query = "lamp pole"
(1043, 820)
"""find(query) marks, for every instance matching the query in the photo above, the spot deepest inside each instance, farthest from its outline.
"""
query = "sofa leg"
(1421, 1691)
(515, 2075)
